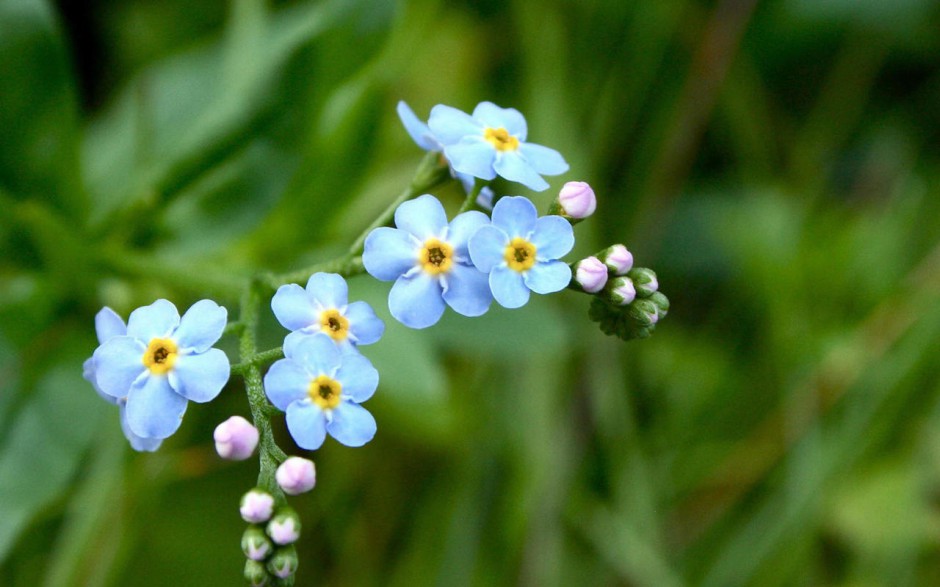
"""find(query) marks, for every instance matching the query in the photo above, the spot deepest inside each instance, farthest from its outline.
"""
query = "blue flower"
(108, 325)
(519, 251)
(321, 388)
(425, 139)
(323, 307)
(161, 362)
(491, 142)
(428, 259)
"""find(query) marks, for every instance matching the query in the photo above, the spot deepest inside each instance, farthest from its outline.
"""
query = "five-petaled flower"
(519, 250)
(491, 142)
(428, 259)
(323, 307)
(161, 362)
(321, 388)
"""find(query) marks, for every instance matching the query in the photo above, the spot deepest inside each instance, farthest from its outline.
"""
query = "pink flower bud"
(235, 439)
(256, 506)
(284, 527)
(622, 291)
(296, 475)
(577, 199)
(591, 274)
(619, 259)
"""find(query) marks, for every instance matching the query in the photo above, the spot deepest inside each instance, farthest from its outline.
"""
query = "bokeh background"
(776, 162)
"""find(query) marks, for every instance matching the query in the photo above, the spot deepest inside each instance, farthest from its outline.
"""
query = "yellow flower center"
(334, 324)
(501, 139)
(436, 257)
(160, 355)
(325, 392)
(520, 255)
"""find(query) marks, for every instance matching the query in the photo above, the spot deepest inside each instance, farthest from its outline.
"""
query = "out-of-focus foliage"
(777, 163)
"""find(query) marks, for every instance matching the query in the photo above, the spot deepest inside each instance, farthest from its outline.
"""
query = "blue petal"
(485, 199)
(138, 443)
(513, 166)
(328, 289)
(88, 372)
(553, 238)
(118, 363)
(543, 160)
(423, 217)
(154, 410)
(200, 377)
(462, 227)
(352, 424)
(389, 252)
(293, 307)
(473, 156)
(516, 215)
(467, 290)
(201, 326)
(416, 301)
(317, 354)
(419, 131)
(108, 325)
(449, 125)
(544, 278)
(286, 382)
(488, 248)
(158, 319)
(307, 424)
(364, 325)
(508, 287)
(492, 116)
(293, 339)
(358, 377)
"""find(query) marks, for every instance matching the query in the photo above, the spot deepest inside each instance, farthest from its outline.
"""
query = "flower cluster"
(152, 367)
(268, 542)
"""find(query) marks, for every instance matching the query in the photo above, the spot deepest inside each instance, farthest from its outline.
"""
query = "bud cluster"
(268, 542)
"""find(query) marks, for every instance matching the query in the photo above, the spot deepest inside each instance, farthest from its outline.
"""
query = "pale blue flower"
(425, 139)
(324, 307)
(491, 142)
(108, 325)
(428, 260)
(161, 362)
(519, 250)
(320, 388)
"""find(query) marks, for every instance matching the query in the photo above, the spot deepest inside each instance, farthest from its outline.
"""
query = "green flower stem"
(258, 360)
(347, 266)
(269, 453)
(471, 199)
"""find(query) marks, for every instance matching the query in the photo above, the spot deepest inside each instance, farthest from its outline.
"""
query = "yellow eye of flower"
(334, 324)
(520, 254)
(160, 355)
(325, 392)
(436, 256)
(501, 139)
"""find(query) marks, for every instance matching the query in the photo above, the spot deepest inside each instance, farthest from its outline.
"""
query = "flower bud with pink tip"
(256, 506)
(576, 200)
(235, 439)
(296, 475)
(590, 274)
(618, 259)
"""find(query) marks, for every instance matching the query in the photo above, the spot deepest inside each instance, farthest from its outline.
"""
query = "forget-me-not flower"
(108, 325)
(428, 259)
(321, 388)
(519, 250)
(491, 142)
(324, 307)
(162, 362)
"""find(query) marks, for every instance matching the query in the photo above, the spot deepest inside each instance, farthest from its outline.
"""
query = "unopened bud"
(255, 573)
(284, 527)
(620, 291)
(256, 506)
(617, 258)
(235, 439)
(576, 200)
(284, 562)
(661, 302)
(255, 544)
(296, 475)
(590, 274)
(645, 281)
(644, 312)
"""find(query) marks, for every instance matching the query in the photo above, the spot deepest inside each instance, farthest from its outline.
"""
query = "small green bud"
(284, 562)
(644, 312)
(255, 544)
(662, 303)
(620, 291)
(255, 573)
(644, 280)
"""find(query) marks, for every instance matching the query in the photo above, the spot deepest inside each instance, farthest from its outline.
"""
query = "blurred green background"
(777, 163)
